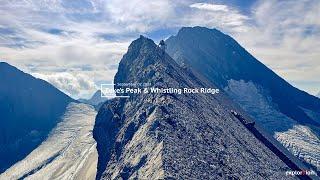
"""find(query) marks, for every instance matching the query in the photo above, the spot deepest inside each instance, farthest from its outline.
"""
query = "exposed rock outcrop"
(180, 136)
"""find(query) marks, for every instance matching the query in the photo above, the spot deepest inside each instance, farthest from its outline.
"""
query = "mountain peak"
(4, 63)
(174, 135)
(96, 98)
(142, 53)
(141, 43)
(28, 105)
(198, 30)
(7, 66)
(222, 61)
(140, 46)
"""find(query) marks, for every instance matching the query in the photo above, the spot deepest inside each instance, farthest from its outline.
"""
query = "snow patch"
(258, 103)
(302, 142)
(298, 139)
(68, 153)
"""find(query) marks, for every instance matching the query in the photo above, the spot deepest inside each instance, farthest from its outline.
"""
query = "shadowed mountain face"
(29, 109)
(69, 152)
(179, 136)
(290, 114)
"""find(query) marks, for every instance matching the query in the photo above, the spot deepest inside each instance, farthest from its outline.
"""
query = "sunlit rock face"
(163, 136)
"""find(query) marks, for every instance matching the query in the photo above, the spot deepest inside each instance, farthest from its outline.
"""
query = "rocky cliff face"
(180, 136)
(289, 114)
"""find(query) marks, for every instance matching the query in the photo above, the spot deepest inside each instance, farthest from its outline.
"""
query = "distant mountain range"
(178, 136)
(29, 109)
(95, 100)
(291, 115)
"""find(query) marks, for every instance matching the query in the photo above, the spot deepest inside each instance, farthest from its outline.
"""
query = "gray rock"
(170, 136)
(289, 114)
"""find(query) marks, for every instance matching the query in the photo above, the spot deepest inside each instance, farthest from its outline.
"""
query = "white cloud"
(75, 46)
(90, 36)
(75, 84)
(285, 36)
(210, 7)
(97, 58)
(139, 15)
(215, 16)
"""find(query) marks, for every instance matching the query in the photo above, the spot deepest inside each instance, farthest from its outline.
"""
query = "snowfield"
(68, 153)
(302, 143)
(298, 139)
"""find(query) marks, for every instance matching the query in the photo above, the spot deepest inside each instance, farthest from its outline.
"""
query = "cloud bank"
(68, 42)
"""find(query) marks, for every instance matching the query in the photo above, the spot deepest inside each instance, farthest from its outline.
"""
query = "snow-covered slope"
(29, 109)
(298, 139)
(68, 153)
(302, 142)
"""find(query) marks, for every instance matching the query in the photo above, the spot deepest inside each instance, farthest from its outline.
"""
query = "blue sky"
(77, 44)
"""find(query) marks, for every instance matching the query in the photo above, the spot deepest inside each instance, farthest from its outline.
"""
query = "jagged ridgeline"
(187, 136)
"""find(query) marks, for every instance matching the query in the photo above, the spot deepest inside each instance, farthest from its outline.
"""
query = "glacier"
(300, 140)
(69, 152)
